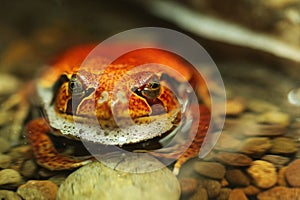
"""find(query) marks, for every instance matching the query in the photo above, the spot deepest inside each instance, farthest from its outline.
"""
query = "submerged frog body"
(131, 100)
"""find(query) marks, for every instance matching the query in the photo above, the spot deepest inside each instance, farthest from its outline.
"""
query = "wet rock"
(236, 177)
(44, 190)
(227, 143)
(10, 176)
(256, 146)
(292, 173)
(45, 173)
(8, 84)
(188, 185)
(251, 190)
(281, 177)
(237, 194)
(260, 106)
(283, 145)
(212, 187)
(29, 168)
(280, 192)
(274, 117)
(59, 178)
(5, 161)
(263, 173)
(233, 159)
(6, 117)
(141, 181)
(224, 194)
(210, 169)
(4, 145)
(201, 193)
(278, 161)
(235, 106)
(9, 195)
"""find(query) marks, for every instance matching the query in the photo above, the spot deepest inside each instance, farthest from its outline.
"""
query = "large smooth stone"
(121, 177)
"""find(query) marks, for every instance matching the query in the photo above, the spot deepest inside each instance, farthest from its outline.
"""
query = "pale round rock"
(99, 181)
(263, 173)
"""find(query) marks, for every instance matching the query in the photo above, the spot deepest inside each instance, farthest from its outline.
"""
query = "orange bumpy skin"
(130, 92)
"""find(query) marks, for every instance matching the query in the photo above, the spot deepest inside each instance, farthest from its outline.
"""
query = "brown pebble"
(236, 177)
(9, 195)
(283, 145)
(280, 192)
(59, 178)
(10, 176)
(224, 194)
(212, 187)
(200, 194)
(233, 159)
(44, 190)
(29, 169)
(260, 106)
(256, 146)
(188, 185)
(5, 161)
(4, 145)
(274, 117)
(281, 177)
(292, 173)
(210, 169)
(235, 106)
(237, 194)
(278, 161)
(227, 143)
(251, 190)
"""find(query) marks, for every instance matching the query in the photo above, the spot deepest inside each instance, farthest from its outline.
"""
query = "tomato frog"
(130, 101)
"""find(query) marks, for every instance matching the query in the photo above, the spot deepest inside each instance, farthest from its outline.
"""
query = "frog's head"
(128, 101)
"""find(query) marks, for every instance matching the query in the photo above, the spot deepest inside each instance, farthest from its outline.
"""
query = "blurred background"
(255, 44)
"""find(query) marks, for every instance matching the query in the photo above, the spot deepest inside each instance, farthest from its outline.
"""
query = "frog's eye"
(151, 89)
(75, 86)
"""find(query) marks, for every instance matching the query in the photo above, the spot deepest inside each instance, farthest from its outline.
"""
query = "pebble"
(281, 177)
(237, 194)
(251, 190)
(210, 169)
(29, 168)
(227, 143)
(236, 177)
(283, 145)
(9, 195)
(263, 173)
(274, 117)
(292, 173)
(256, 146)
(10, 176)
(8, 84)
(4, 145)
(42, 190)
(5, 161)
(201, 193)
(98, 180)
(59, 178)
(235, 106)
(260, 106)
(233, 159)
(188, 185)
(224, 194)
(280, 192)
(212, 187)
(278, 161)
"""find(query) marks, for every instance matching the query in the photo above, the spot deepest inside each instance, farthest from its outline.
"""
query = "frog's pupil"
(75, 86)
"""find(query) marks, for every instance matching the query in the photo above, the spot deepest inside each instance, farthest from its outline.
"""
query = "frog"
(130, 100)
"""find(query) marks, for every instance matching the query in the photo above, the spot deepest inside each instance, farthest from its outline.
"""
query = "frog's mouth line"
(92, 148)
